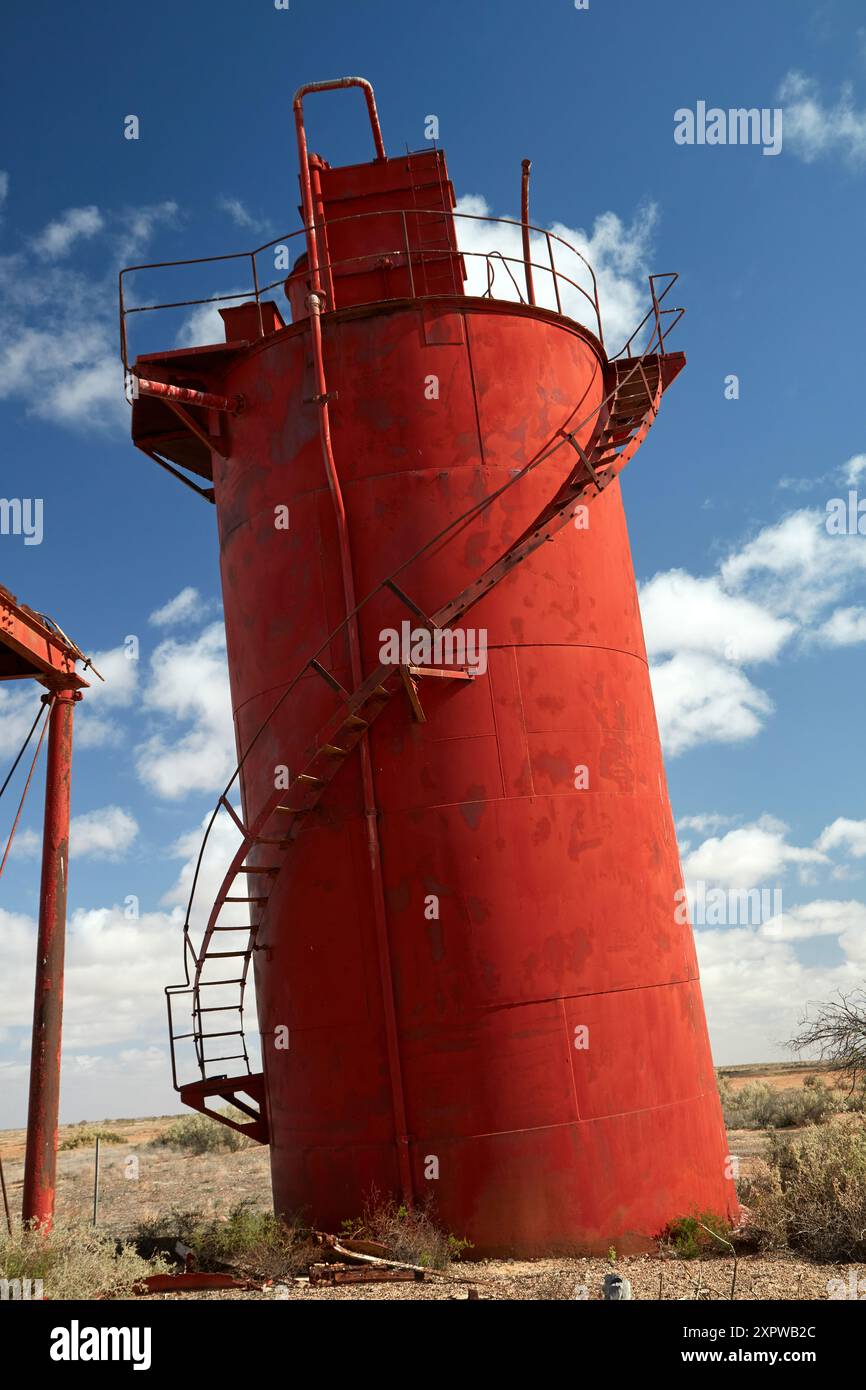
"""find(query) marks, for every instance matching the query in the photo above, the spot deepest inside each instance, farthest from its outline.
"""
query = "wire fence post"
(96, 1182)
(5, 1198)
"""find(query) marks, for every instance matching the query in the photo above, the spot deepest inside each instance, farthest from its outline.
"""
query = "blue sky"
(755, 616)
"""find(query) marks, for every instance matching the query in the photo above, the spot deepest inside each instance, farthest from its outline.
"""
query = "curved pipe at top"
(303, 158)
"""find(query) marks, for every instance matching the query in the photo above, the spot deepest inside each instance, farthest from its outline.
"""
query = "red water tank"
(472, 977)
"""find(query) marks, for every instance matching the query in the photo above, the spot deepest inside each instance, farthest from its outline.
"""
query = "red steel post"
(40, 1160)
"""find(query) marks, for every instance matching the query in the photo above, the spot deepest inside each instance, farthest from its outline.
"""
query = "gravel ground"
(212, 1183)
(758, 1277)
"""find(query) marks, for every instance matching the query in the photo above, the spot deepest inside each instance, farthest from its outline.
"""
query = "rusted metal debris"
(190, 1281)
(325, 1275)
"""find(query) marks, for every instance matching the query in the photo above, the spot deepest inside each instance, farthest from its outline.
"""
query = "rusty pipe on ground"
(524, 219)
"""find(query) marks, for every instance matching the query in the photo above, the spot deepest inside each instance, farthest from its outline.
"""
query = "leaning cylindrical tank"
(477, 953)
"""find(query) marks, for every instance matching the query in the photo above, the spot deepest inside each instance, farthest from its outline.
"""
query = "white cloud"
(854, 468)
(137, 226)
(704, 822)
(222, 843)
(800, 568)
(701, 700)
(114, 975)
(203, 324)
(844, 628)
(848, 835)
(617, 252)
(4, 187)
(681, 613)
(114, 1008)
(847, 920)
(59, 237)
(182, 608)
(813, 128)
(241, 216)
(756, 987)
(26, 844)
(188, 683)
(58, 325)
(19, 704)
(95, 726)
(106, 833)
(771, 590)
(748, 856)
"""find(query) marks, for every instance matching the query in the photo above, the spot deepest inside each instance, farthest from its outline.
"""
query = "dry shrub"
(697, 1236)
(198, 1134)
(811, 1193)
(85, 1135)
(248, 1239)
(760, 1106)
(74, 1261)
(410, 1234)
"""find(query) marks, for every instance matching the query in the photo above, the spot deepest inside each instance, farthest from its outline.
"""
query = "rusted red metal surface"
(192, 1282)
(517, 1021)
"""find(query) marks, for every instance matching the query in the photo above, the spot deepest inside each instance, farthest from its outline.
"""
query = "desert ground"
(167, 1179)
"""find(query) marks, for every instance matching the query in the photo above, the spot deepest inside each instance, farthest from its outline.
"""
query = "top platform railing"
(490, 248)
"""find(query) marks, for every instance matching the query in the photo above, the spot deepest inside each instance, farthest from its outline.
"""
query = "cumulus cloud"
(844, 834)
(682, 613)
(76, 224)
(800, 568)
(814, 128)
(58, 324)
(617, 251)
(747, 856)
(107, 833)
(756, 986)
(96, 724)
(20, 703)
(188, 684)
(705, 821)
(847, 920)
(701, 700)
(854, 469)
(184, 607)
(844, 628)
(117, 966)
(204, 324)
(775, 591)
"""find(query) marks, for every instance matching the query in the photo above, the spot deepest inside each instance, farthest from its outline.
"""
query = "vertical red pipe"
(374, 850)
(524, 218)
(40, 1161)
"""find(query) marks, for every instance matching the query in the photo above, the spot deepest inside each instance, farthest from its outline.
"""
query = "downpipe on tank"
(371, 814)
